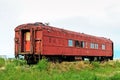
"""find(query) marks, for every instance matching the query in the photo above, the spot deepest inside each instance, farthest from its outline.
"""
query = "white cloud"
(49, 10)
(97, 17)
(55, 9)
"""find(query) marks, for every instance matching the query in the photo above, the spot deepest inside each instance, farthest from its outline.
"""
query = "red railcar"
(35, 40)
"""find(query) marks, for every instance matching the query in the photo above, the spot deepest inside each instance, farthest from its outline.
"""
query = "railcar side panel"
(16, 42)
(38, 42)
(53, 46)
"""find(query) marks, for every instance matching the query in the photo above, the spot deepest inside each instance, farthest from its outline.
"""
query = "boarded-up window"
(49, 39)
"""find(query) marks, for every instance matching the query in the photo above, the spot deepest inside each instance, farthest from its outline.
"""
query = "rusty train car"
(34, 40)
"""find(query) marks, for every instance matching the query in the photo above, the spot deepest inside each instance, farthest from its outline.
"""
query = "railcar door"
(27, 42)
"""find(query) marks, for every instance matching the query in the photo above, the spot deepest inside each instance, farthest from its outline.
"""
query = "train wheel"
(111, 58)
(91, 59)
(16, 56)
(31, 59)
(82, 58)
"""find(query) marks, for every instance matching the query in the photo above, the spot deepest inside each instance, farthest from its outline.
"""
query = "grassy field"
(79, 70)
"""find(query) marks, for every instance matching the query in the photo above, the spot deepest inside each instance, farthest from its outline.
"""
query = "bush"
(10, 67)
(42, 64)
(96, 64)
(18, 62)
(2, 62)
(117, 63)
(115, 77)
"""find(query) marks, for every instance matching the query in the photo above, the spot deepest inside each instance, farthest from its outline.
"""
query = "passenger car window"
(96, 46)
(77, 44)
(70, 43)
(91, 45)
(82, 44)
(103, 46)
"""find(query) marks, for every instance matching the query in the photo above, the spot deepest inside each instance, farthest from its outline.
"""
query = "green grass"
(2, 62)
(79, 70)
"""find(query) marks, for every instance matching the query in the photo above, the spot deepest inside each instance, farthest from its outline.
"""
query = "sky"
(94, 17)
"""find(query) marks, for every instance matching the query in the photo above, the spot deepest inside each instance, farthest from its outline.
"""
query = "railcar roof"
(39, 24)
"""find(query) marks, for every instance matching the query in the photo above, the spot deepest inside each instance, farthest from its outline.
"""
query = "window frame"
(103, 47)
(92, 46)
(96, 46)
(77, 43)
(82, 44)
(70, 43)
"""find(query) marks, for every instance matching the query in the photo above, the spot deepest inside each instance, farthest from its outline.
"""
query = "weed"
(96, 64)
(115, 77)
(2, 62)
(19, 62)
(42, 64)
(44, 70)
